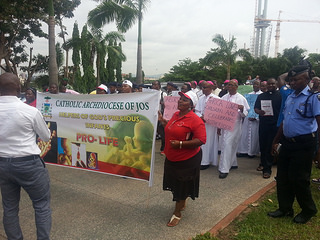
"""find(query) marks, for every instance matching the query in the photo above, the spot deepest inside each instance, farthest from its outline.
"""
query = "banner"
(251, 99)
(107, 133)
(220, 113)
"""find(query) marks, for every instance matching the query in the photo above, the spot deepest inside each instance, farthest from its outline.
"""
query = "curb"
(238, 210)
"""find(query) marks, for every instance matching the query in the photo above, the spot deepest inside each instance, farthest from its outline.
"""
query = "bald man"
(20, 163)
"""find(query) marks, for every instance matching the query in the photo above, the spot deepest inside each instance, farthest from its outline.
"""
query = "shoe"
(234, 167)
(162, 153)
(223, 175)
(204, 167)
(302, 219)
(260, 168)
(316, 180)
(278, 214)
(266, 175)
(251, 156)
(240, 155)
(174, 221)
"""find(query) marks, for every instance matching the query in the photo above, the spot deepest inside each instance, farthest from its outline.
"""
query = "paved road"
(90, 206)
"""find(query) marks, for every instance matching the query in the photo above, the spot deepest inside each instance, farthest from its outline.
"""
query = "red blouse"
(32, 104)
(182, 129)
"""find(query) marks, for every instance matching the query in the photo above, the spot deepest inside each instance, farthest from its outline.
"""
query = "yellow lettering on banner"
(88, 138)
(124, 118)
(97, 126)
(69, 115)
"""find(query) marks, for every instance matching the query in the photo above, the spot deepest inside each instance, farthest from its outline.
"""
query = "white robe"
(230, 140)
(249, 141)
(210, 149)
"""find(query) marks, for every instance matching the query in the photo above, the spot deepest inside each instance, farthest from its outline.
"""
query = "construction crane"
(277, 36)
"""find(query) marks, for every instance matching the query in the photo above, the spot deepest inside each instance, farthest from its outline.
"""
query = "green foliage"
(257, 225)
(21, 21)
(215, 65)
(88, 79)
(294, 55)
(225, 54)
(314, 59)
(41, 82)
(111, 64)
(76, 45)
(60, 55)
(119, 65)
(186, 71)
(206, 236)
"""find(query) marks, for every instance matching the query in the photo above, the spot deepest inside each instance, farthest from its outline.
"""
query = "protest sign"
(170, 106)
(111, 133)
(251, 99)
(220, 113)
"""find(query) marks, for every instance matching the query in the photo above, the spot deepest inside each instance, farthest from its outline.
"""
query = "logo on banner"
(46, 108)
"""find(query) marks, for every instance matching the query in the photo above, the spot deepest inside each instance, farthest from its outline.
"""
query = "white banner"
(107, 133)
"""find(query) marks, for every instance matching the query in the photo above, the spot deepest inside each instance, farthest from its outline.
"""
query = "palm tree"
(225, 54)
(102, 47)
(124, 13)
(53, 69)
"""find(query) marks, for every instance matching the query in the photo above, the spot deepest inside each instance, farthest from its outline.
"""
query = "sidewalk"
(90, 206)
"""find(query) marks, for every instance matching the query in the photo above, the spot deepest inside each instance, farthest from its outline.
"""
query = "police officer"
(298, 135)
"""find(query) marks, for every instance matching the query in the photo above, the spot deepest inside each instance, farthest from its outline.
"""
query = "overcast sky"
(173, 30)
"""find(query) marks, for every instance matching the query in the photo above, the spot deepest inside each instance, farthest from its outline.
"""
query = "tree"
(314, 59)
(294, 55)
(102, 45)
(75, 44)
(65, 9)
(186, 71)
(124, 13)
(225, 54)
(19, 22)
(37, 64)
(53, 68)
(119, 64)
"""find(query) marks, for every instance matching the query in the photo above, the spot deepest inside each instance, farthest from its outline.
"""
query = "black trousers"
(160, 130)
(293, 175)
(266, 136)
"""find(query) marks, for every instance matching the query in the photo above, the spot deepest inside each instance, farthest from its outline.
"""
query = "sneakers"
(316, 180)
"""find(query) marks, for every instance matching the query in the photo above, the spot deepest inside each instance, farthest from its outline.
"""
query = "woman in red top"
(184, 134)
(31, 97)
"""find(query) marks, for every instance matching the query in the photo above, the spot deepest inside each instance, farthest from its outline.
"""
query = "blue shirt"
(285, 92)
(294, 124)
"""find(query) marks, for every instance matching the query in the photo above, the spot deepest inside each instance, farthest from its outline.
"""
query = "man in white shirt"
(20, 163)
(210, 149)
(249, 141)
(230, 139)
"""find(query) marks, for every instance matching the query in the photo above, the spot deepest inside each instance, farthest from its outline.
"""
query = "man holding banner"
(230, 139)
(210, 148)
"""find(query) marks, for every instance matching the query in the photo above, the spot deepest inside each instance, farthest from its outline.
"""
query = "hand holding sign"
(221, 113)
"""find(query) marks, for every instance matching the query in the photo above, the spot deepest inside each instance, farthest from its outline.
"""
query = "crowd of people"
(283, 132)
(282, 129)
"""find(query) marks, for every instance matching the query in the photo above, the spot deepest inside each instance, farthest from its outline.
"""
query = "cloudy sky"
(173, 30)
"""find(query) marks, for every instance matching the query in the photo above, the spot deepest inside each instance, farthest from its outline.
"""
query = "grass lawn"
(254, 224)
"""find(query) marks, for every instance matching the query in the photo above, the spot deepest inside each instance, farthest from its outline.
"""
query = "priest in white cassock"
(210, 149)
(249, 141)
(230, 139)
